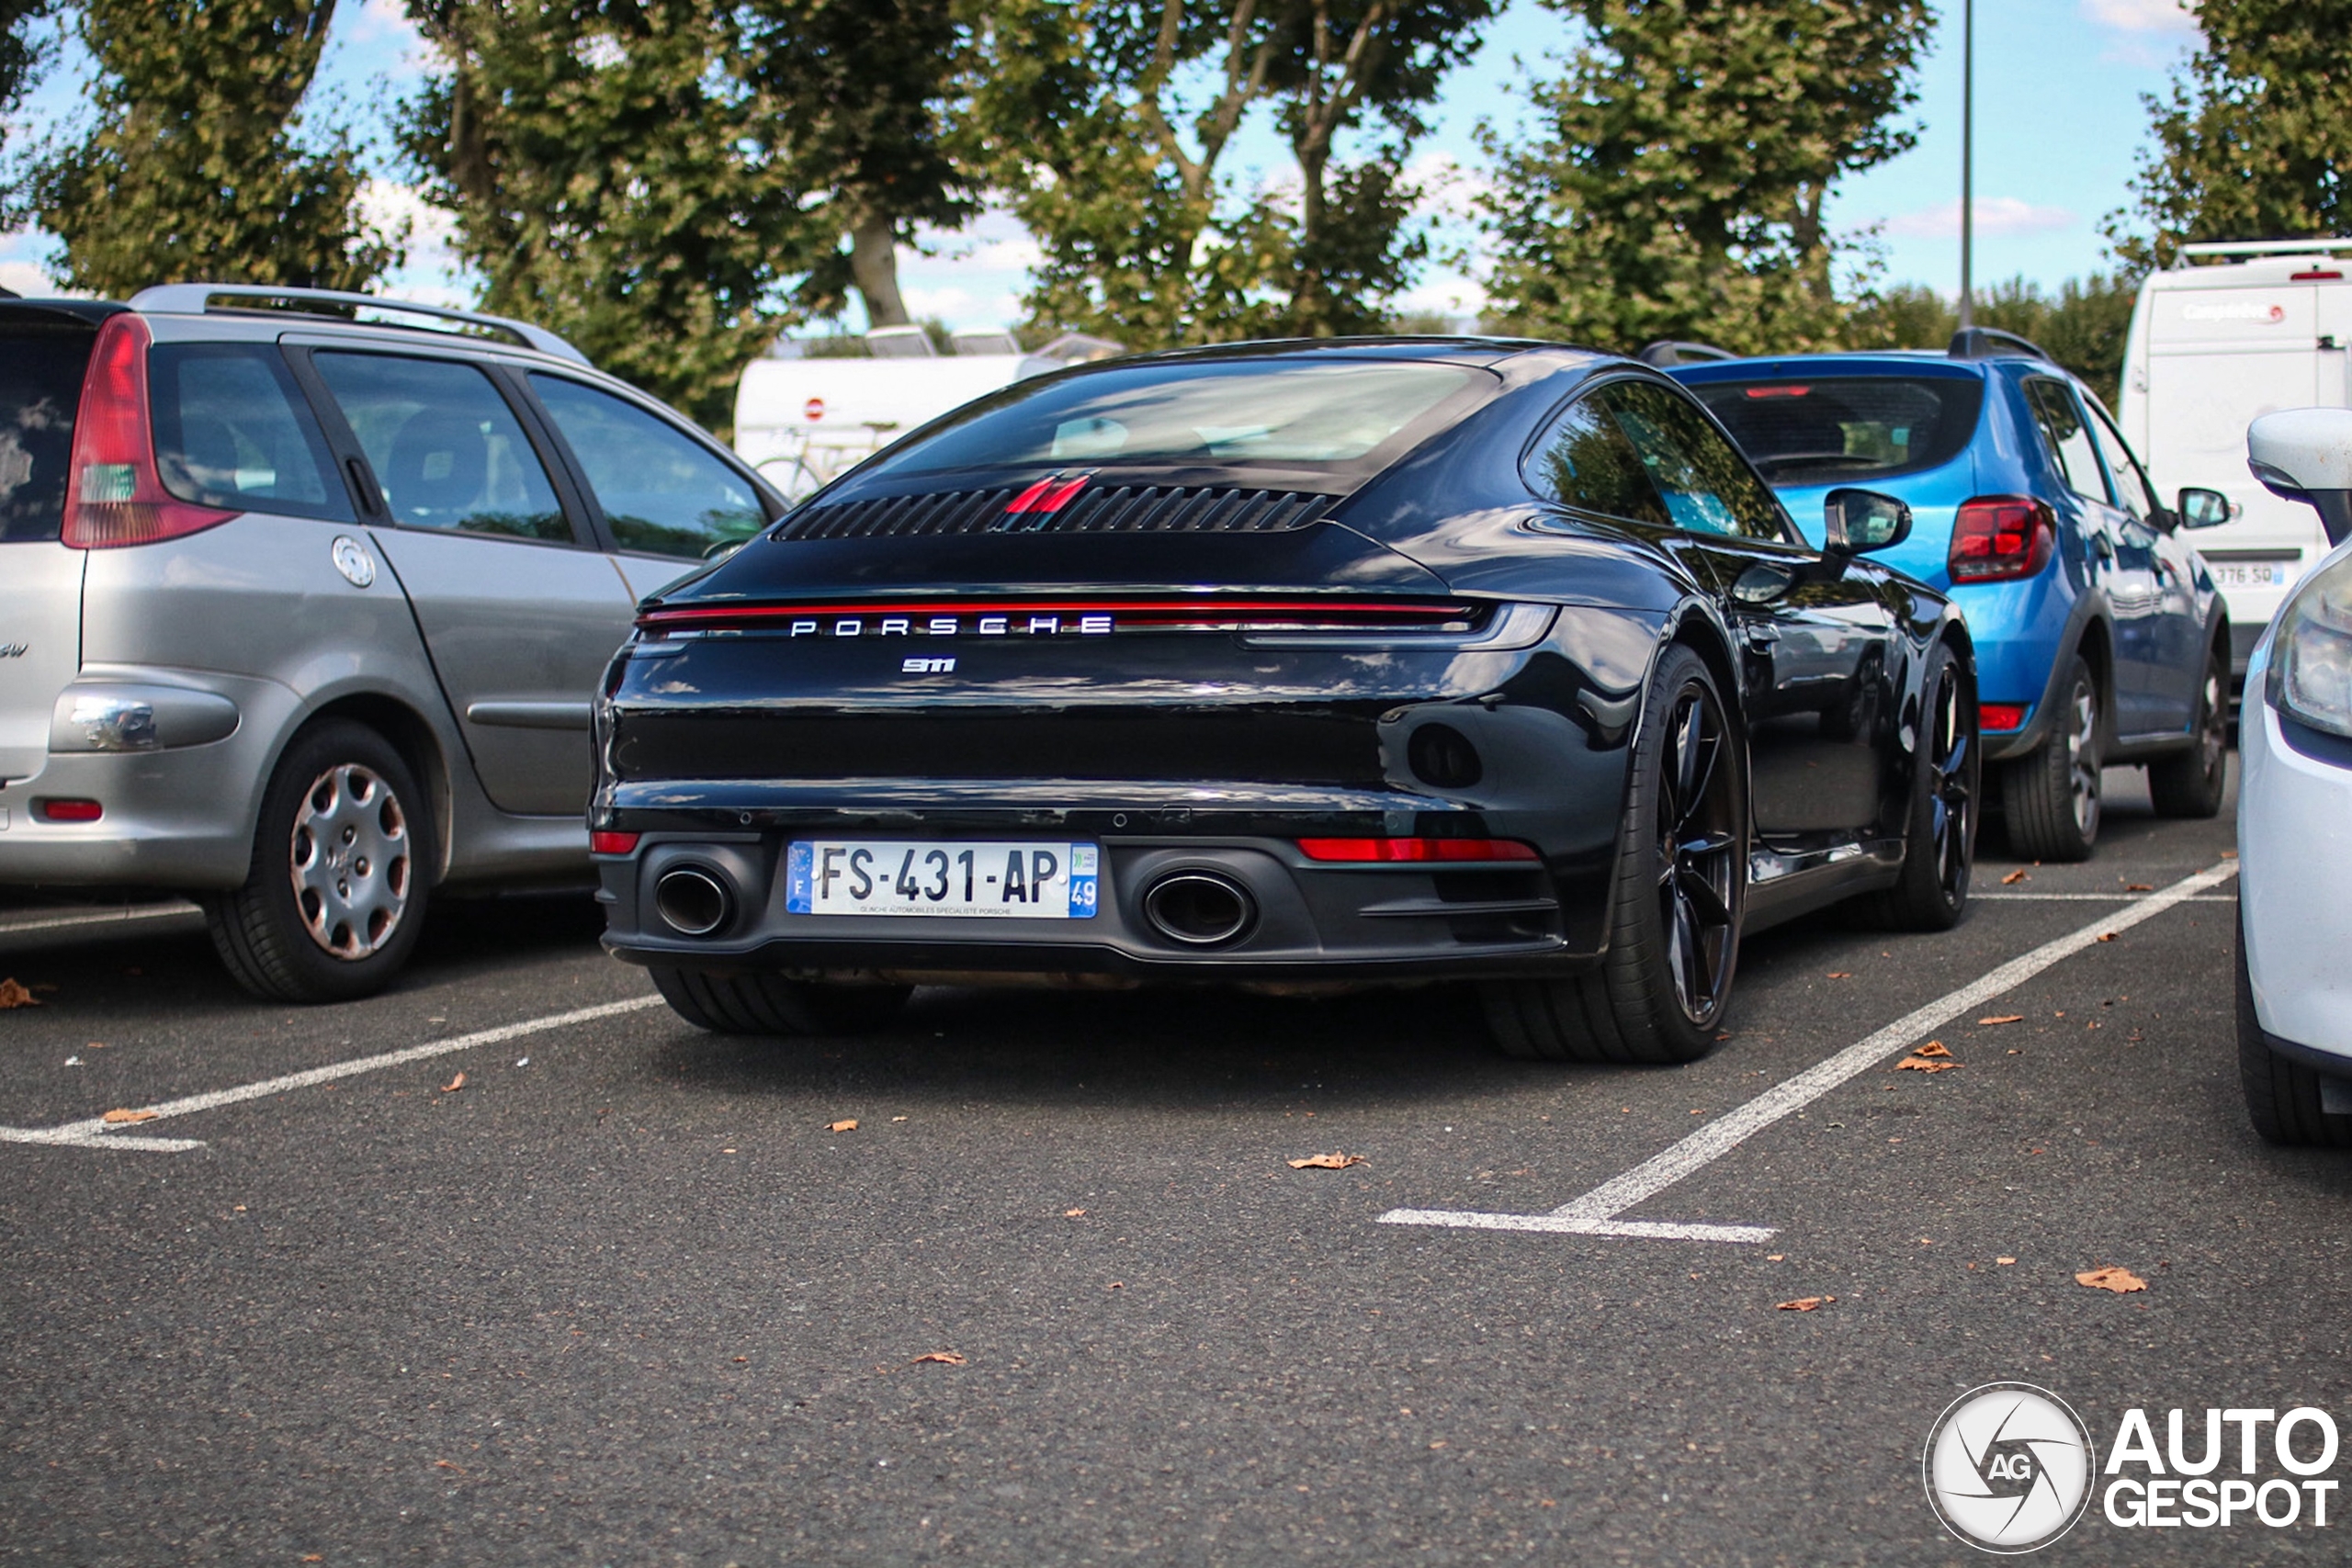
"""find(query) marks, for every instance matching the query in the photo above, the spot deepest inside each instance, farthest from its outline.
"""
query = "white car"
(2295, 809)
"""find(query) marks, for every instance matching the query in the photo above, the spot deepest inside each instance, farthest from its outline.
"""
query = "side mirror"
(2201, 508)
(1855, 521)
(2306, 455)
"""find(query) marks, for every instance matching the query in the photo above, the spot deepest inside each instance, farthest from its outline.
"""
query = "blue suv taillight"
(1996, 539)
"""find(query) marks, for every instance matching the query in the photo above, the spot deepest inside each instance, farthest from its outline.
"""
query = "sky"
(2060, 127)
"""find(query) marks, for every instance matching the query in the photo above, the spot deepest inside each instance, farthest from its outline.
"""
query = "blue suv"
(2099, 636)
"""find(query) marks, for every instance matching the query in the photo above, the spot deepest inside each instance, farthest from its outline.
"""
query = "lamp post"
(1967, 161)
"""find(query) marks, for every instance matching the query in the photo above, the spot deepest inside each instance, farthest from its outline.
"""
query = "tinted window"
(1585, 461)
(40, 388)
(1293, 415)
(2130, 485)
(661, 493)
(2066, 437)
(232, 429)
(446, 450)
(1706, 487)
(1844, 430)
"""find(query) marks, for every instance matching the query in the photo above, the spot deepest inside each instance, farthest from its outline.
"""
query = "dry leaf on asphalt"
(1073, 1214)
(121, 1116)
(2004, 1262)
(2107, 936)
(444, 1464)
(1932, 1048)
(2014, 877)
(12, 995)
(2122, 1281)
(945, 1358)
(848, 1126)
(1841, 973)
(1327, 1162)
(1923, 1064)
(2004, 1018)
(1806, 1303)
(453, 1085)
(2138, 887)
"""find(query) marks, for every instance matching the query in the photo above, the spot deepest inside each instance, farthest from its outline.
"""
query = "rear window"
(233, 431)
(1294, 415)
(1848, 428)
(40, 388)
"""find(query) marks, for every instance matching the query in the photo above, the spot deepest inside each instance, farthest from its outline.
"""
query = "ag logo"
(2008, 1467)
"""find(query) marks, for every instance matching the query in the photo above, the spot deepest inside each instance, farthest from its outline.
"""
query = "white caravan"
(2237, 330)
(804, 422)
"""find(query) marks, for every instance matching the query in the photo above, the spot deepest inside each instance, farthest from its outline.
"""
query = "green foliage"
(2255, 141)
(193, 170)
(2082, 326)
(1106, 120)
(1675, 187)
(608, 178)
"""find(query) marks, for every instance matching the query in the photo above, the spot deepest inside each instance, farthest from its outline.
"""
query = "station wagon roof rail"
(2318, 244)
(198, 298)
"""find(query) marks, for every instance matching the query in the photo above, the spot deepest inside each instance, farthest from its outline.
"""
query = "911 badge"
(921, 666)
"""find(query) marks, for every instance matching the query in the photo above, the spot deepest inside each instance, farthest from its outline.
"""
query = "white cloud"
(24, 277)
(1995, 215)
(2173, 17)
(433, 274)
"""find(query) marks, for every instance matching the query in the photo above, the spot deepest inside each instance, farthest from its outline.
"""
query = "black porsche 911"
(1367, 662)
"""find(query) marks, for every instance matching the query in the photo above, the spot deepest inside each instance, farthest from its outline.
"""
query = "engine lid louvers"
(1123, 509)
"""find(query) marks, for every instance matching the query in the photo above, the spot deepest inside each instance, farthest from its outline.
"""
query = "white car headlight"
(2311, 657)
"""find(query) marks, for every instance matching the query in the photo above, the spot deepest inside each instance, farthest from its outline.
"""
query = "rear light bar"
(1063, 617)
(604, 841)
(113, 494)
(1371, 851)
(52, 809)
(1999, 538)
(1779, 391)
(2000, 717)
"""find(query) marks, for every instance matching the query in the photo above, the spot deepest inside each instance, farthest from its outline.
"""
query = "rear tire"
(1680, 887)
(2282, 1096)
(1940, 843)
(2191, 783)
(2051, 797)
(335, 897)
(770, 1004)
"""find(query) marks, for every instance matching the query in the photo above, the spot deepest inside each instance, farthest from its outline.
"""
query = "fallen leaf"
(1776, 1258)
(945, 1358)
(2229, 855)
(1932, 1048)
(121, 1116)
(95, 1045)
(1806, 1303)
(2138, 887)
(2014, 877)
(2004, 1018)
(1841, 973)
(1073, 1214)
(444, 1464)
(2122, 1281)
(314, 1556)
(1327, 1162)
(12, 995)
(453, 1085)
(1922, 1064)
(2107, 936)
(1118, 1285)
(848, 1126)
(2004, 1262)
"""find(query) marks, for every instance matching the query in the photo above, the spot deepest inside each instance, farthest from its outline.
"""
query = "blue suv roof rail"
(1668, 353)
(196, 299)
(1992, 343)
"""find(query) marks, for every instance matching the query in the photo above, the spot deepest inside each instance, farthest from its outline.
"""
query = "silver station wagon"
(304, 600)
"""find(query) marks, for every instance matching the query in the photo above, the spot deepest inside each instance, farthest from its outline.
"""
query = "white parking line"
(180, 909)
(1595, 1212)
(97, 1132)
(2094, 898)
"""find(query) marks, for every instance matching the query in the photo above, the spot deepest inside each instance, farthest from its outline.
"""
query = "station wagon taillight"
(1996, 539)
(113, 494)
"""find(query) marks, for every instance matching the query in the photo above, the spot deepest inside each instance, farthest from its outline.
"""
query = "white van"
(2239, 329)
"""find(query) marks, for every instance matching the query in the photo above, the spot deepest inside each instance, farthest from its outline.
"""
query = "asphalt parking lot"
(621, 1296)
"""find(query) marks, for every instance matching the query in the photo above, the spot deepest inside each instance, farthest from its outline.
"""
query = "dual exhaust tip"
(1197, 908)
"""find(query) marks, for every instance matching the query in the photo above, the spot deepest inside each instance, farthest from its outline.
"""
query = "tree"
(2255, 140)
(1676, 186)
(855, 98)
(1108, 121)
(606, 171)
(193, 170)
(2083, 325)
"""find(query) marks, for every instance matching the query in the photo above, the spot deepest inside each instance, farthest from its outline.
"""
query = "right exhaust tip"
(691, 901)
(1199, 909)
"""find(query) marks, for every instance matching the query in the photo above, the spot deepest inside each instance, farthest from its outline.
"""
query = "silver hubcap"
(2216, 739)
(2082, 759)
(350, 861)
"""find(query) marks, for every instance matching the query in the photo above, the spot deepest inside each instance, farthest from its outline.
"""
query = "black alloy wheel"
(2050, 797)
(2284, 1098)
(1940, 853)
(1660, 991)
(2191, 783)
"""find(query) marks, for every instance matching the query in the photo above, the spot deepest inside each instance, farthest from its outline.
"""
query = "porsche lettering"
(953, 626)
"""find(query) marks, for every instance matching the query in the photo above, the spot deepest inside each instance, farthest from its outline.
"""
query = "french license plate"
(929, 876)
(2232, 574)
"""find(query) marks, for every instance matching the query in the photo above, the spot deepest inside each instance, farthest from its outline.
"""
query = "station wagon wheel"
(335, 894)
(2191, 783)
(2051, 796)
(1940, 846)
(1662, 986)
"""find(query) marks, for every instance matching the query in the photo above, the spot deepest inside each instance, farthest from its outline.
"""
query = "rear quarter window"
(40, 389)
(233, 431)
(1847, 429)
